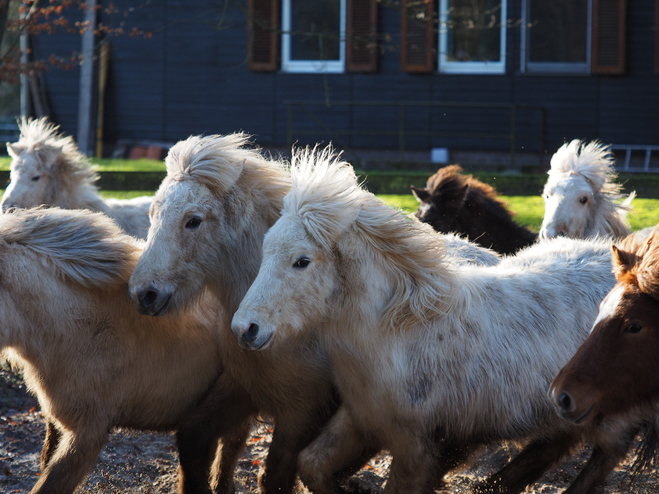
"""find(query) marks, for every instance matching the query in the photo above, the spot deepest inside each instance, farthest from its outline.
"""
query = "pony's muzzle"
(150, 301)
(249, 335)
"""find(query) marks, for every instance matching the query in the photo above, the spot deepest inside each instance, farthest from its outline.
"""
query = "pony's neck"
(608, 221)
(84, 196)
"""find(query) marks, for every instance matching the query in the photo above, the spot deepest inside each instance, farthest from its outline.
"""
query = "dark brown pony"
(456, 203)
(615, 373)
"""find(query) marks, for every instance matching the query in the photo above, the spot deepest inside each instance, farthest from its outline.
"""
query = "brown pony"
(614, 373)
(615, 370)
(452, 202)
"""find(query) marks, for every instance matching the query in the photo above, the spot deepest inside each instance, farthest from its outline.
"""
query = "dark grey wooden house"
(479, 75)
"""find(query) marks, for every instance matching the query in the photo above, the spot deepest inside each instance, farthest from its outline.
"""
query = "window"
(313, 35)
(472, 36)
(556, 36)
(574, 36)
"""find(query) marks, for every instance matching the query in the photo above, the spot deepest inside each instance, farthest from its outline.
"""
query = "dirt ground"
(134, 462)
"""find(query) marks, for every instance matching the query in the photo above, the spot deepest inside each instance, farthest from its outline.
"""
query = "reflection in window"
(558, 30)
(472, 35)
(312, 39)
(556, 35)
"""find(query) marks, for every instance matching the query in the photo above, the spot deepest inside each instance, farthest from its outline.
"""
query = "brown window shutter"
(361, 36)
(609, 30)
(656, 36)
(417, 36)
(263, 35)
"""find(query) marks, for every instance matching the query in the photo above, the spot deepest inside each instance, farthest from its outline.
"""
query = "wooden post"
(25, 89)
(86, 96)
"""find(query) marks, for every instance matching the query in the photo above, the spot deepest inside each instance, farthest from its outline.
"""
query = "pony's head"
(443, 200)
(46, 167)
(580, 194)
(207, 222)
(320, 258)
(615, 370)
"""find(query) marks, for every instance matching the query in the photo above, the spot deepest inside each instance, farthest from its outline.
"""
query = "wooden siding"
(193, 77)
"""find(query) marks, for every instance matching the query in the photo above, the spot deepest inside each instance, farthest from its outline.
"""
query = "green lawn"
(529, 210)
(111, 165)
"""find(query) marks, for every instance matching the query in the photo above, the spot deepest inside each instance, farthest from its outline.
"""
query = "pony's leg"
(602, 461)
(450, 455)
(50, 444)
(224, 413)
(292, 433)
(529, 465)
(412, 467)
(339, 448)
(70, 462)
(227, 456)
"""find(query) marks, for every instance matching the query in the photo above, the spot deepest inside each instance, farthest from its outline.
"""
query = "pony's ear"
(48, 154)
(420, 194)
(622, 261)
(14, 149)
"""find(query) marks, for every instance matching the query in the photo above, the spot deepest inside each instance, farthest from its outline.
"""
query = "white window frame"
(457, 67)
(310, 66)
(554, 67)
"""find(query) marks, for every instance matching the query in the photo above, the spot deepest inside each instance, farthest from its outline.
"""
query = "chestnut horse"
(615, 371)
(456, 203)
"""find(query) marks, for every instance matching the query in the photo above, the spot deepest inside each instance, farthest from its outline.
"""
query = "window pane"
(557, 30)
(473, 30)
(315, 27)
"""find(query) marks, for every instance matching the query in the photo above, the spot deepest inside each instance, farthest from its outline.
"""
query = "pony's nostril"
(148, 297)
(565, 402)
(251, 333)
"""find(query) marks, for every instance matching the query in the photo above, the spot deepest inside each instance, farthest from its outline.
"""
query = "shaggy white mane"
(86, 247)
(327, 197)
(594, 162)
(39, 136)
(218, 161)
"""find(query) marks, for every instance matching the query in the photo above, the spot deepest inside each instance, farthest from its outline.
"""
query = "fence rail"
(402, 132)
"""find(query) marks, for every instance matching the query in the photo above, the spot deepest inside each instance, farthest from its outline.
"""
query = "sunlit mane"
(39, 136)
(643, 262)
(86, 247)
(218, 161)
(326, 195)
(595, 163)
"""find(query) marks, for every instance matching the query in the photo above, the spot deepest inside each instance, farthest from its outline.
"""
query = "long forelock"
(646, 267)
(85, 247)
(217, 162)
(71, 165)
(327, 197)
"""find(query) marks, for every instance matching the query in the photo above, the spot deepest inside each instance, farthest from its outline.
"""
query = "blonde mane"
(327, 197)
(85, 247)
(217, 162)
(595, 163)
(40, 137)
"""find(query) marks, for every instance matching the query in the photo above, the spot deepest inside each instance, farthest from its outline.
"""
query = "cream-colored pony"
(47, 168)
(581, 194)
(208, 221)
(429, 357)
(93, 362)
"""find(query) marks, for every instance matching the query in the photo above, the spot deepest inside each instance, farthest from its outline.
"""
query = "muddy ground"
(134, 462)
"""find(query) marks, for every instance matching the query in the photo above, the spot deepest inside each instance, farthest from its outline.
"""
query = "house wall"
(191, 77)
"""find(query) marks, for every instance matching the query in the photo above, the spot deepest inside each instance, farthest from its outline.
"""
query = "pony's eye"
(633, 328)
(193, 223)
(583, 200)
(36, 178)
(302, 262)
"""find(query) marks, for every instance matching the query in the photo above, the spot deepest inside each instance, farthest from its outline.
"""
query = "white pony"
(423, 350)
(580, 194)
(93, 362)
(47, 168)
(208, 221)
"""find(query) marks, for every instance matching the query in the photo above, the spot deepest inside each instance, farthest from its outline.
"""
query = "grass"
(111, 165)
(529, 210)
